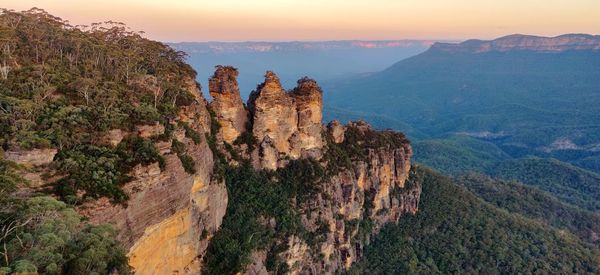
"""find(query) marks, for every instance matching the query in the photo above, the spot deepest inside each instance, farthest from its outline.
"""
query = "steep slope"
(454, 231)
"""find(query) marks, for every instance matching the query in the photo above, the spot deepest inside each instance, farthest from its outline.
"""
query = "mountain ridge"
(523, 42)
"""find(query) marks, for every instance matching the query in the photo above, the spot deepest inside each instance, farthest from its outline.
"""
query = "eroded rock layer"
(227, 103)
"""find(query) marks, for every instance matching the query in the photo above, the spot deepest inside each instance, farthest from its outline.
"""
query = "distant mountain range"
(324, 60)
(247, 47)
(528, 95)
(518, 42)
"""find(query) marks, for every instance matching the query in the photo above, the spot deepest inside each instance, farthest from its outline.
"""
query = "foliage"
(455, 232)
(101, 171)
(254, 199)
(458, 154)
(535, 204)
(135, 150)
(568, 183)
(188, 163)
(192, 134)
(95, 170)
(247, 137)
(65, 84)
(41, 234)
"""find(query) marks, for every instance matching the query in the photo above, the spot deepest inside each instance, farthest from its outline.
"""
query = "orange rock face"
(291, 121)
(227, 104)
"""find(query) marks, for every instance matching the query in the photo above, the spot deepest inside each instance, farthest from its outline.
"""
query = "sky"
(286, 20)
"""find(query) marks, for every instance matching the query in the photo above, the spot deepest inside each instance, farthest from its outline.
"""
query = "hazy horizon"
(329, 20)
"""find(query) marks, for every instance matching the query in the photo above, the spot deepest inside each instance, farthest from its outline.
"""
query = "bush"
(188, 163)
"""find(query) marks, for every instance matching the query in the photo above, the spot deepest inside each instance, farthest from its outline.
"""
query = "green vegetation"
(358, 141)
(534, 204)
(254, 199)
(41, 234)
(457, 154)
(64, 85)
(188, 163)
(100, 171)
(568, 183)
(455, 232)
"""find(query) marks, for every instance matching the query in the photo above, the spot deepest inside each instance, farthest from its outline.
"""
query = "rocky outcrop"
(517, 42)
(274, 116)
(30, 158)
(227, 103)
(291, 121)
(171, 214)
(336, 130)
(308, 141)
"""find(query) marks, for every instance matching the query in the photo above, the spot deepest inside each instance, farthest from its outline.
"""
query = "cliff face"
(354, 203)
(568, 42)
(171, 214)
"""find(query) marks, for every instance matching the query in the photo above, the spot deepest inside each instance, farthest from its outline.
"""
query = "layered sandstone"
(171, 215)
(273, 115)
(286, 123)
(227, 103)
(308, 141)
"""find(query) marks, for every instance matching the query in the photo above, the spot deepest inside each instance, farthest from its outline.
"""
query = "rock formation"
(291, 121)
(171, 214)
(227, 103)
(309, 105)
(274, 116)
(355, 203)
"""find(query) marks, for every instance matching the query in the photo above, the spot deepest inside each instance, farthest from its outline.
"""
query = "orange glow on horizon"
(252, 20)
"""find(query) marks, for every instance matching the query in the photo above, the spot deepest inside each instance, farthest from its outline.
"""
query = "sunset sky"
(278, 20)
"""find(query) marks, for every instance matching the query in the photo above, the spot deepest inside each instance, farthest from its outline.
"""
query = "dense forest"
(530, 202)
(456, 232)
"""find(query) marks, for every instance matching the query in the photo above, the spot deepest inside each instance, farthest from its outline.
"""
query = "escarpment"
(171, 212)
